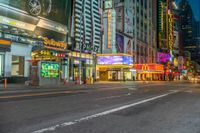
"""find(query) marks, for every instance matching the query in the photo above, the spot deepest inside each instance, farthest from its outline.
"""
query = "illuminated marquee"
(115, 60)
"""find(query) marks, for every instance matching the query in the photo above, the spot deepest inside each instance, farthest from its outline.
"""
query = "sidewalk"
(21, 88)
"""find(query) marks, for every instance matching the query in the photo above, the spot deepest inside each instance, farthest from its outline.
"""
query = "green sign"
(50, 70)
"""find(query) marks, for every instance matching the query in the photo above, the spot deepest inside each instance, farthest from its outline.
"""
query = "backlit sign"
(52, 44)
(16, 23)
(114, 60)
(50, 70)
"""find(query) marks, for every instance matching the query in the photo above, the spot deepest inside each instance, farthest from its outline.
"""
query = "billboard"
(119, 18)
(128, 17)
(128, 45)
(47, 18)
(114, 60)
(120, 43)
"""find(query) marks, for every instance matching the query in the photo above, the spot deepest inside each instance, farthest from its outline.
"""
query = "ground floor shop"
(5, 47)
(49, 64)
(82, 66)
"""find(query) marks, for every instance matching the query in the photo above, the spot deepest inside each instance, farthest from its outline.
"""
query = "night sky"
(195, 7)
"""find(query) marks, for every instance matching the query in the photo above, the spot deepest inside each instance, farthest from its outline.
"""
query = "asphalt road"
(120, 108)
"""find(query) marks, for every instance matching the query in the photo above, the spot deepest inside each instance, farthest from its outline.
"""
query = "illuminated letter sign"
(52, 44)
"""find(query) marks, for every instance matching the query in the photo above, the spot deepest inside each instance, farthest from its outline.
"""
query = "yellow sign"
(52, 43)
(109, 28)
(171, 32)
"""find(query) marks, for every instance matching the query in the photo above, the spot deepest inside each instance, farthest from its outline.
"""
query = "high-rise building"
(86, 31)
(87, 24)
(187, 27)
(197, 40)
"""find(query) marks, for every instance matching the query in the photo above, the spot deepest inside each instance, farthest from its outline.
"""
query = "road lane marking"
(53, 128)
(38, 94)
(111, 97)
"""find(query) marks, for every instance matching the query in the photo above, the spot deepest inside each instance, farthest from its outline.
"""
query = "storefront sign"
(52, 44)
(16, 23)
(163, 57)
(148, 67)
(20, 39)
(114, 60)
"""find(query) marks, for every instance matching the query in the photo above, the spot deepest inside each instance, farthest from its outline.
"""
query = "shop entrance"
(82, 72)
(115, 75)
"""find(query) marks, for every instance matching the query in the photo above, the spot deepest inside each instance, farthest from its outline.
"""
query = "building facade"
(187, 28)
(28, 35)
(86, 31)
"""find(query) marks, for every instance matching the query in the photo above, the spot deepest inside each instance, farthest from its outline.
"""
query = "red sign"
(149, 67)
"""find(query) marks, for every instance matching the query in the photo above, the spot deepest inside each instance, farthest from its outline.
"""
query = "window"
(17, 66)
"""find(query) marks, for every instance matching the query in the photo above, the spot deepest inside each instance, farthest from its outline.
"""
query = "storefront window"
(1, 64)
(17, 66)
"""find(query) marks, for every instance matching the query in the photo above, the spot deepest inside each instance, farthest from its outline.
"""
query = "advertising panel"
(120, 18)
(47, 18)
(120, 43)
(128, 44)
(128, 17)
(163, 57)
(50, 70)
(55, 10)
(113, 60)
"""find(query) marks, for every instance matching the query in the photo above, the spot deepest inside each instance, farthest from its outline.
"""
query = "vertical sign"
(180, 62)
(109, 28)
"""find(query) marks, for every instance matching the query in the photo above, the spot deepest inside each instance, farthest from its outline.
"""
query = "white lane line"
(53, 128)
(111, 97)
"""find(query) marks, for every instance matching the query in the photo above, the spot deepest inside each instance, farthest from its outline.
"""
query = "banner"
(119, 43)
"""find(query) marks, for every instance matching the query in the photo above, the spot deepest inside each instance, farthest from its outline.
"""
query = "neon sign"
(163, 57)
(171, 36)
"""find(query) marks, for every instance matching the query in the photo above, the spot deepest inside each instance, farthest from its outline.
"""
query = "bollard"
(5, 83)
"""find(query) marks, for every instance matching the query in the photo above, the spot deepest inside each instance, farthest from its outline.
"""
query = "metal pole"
(80, 48)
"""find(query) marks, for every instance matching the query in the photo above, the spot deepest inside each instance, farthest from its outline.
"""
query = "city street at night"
(99, 66)
(130, 107)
